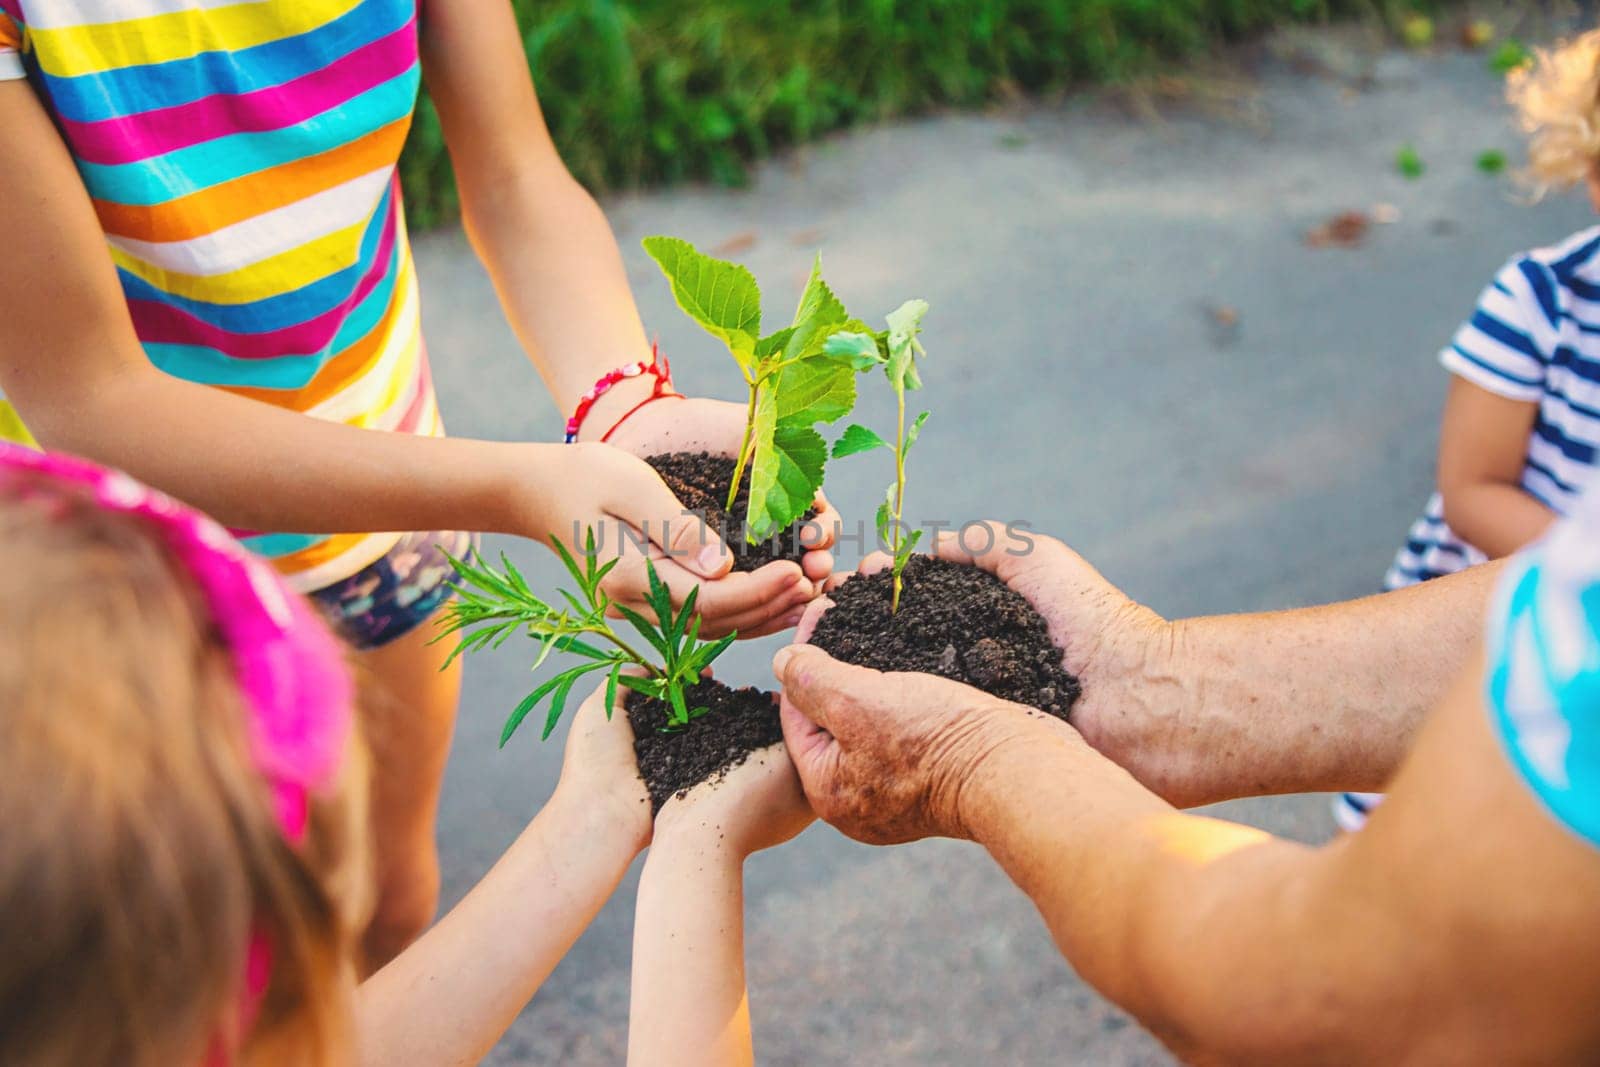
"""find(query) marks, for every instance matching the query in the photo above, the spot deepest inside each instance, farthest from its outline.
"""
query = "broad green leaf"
(860, 350)
(813, 391)
(820, 313)
(785, 476)
(722, 297)
(857, 439)
(773, 344)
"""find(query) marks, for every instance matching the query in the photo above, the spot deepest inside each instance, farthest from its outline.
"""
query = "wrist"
(531, 483)
(1007, 762)
(618, 819)
(615, 403)
(686, 839)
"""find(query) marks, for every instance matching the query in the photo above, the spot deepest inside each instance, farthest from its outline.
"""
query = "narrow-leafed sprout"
(898, 350)
(492, 606)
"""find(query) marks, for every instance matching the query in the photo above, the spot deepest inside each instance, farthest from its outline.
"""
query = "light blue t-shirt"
(1543, 682)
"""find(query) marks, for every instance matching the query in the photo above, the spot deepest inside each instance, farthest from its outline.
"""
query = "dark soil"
(739, 722)
(954, 621)
(701, 481)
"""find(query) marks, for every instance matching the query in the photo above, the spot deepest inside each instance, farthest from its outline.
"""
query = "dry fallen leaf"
(1385, 214)
(739, 242)
(1345, 230)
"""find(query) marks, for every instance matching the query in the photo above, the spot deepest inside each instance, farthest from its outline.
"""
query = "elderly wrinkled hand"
(885, 757)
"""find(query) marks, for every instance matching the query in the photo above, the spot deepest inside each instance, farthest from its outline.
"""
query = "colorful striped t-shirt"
(1534, 337)
(241, 159)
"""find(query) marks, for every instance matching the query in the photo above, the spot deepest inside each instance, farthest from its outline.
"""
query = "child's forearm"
(1495, 517)
(258, 467)
(689, 1004)
(449, 997)
(560, 278)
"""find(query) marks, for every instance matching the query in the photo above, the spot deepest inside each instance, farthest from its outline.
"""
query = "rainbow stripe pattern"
(241, 159)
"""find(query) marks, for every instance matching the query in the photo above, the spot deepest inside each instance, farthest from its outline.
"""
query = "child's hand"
(757, 805)
(598, 768)
(697, 424)
(625, 502)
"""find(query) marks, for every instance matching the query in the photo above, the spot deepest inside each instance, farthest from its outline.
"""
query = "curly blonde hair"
(138, 845)
(1557, 99)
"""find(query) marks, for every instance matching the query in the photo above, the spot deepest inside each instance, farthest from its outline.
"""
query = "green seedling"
(794, 382)
(1492, 162)
(1408, 161)
(492, 605)
(1511, 55)
(898, 350)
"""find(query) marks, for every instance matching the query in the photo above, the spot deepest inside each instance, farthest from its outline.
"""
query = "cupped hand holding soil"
(956, 620)
(701, 479)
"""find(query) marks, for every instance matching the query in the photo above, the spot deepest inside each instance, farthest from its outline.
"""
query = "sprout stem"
(899, 494)
(745, 446)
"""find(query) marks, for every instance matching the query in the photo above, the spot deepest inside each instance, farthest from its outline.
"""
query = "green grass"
(655, 91)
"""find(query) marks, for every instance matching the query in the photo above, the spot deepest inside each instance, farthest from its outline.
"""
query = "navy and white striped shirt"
(1535, 336)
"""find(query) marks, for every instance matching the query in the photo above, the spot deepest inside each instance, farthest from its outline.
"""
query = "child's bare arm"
(447, 999)
(689, 1004)
(73, 365)
(543, 239)
(1482, 449)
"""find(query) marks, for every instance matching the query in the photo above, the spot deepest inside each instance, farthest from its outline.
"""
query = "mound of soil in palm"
(955, 621)
(700, 480)
(737, 722)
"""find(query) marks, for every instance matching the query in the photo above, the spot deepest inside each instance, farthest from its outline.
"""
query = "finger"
(812, 749)
(835, 581)
(987, 545)
(644, 502)
(808, 621)
(827, 692)
(817, 564)
(875, 562)
(774, 587)
(777, 625)
(822, 529)
(763, 622)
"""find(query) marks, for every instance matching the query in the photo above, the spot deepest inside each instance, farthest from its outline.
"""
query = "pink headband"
(297, 691)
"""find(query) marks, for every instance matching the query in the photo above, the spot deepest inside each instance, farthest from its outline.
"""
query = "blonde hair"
(1557, 99)
(138, 845)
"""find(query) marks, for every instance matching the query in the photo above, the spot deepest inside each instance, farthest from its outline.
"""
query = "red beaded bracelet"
(658, 367)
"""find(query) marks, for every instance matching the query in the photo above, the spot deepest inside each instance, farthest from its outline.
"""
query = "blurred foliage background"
(651, 91)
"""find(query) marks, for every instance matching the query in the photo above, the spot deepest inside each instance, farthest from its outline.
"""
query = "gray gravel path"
(1082, 268)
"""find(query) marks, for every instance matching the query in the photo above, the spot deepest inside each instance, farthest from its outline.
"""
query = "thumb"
(683, 535)
(821, 688)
